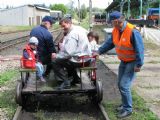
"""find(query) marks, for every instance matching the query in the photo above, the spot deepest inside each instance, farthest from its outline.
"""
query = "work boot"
(119, 108)
(124, 114)
(75, 81)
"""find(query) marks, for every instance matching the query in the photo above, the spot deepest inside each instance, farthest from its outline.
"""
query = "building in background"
(23, 15)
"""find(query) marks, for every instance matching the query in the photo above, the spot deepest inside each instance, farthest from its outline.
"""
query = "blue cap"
(115, 15)
(49, 19)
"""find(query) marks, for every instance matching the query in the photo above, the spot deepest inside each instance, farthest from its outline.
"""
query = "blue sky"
(96, 3)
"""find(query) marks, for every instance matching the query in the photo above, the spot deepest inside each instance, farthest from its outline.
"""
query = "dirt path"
(109, 81)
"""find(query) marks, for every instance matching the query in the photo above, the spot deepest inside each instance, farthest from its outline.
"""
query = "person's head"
(117, 19)
(33, 43)
(47, 21)
(66, 24)
(93, 36)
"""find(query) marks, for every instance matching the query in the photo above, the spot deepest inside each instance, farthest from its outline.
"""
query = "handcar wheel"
(19, 93)
(99, 89)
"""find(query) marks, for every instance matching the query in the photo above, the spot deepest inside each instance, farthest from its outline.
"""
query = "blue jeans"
(126, 75)
(40, 69)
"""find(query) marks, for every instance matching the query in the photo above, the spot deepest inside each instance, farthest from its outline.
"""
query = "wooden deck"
(52, 84)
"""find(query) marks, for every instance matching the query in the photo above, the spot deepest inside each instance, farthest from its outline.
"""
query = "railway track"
(86, 110)
(61, 108)
(12, 42)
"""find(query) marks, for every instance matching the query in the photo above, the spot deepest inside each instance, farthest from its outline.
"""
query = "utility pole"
(141, 2)
(79, 15)
(159, 15)
(129, 11)
(90, 15)
(121, 6)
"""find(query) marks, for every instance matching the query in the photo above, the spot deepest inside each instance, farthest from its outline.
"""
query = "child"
(29, 58)
(93, 39)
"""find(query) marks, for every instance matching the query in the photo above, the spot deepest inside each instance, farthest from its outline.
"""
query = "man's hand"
(53, 56)
(137, 69)
(95, 54)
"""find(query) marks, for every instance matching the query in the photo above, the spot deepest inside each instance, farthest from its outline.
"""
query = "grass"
(140, 111)
(21, 28)
(114, 62)
(7, 101)
(14, 28)
(6, 76)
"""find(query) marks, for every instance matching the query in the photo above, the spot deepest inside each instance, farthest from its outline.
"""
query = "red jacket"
(31, 61)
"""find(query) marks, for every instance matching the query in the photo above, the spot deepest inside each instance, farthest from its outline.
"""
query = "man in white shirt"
(75, 43)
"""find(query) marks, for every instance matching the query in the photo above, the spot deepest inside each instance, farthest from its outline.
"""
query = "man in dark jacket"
(46, 46)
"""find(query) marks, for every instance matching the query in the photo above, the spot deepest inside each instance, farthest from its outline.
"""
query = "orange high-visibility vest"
(123, 45)
(31, 61)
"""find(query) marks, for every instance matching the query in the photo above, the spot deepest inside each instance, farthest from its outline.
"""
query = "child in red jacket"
(29, 58)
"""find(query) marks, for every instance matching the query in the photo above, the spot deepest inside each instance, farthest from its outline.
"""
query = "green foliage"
(154, 5)
(7, 95)
(85, 23)
(95, 9)
(7, 101)
(83, 11)
(60, 7)
(6, 76)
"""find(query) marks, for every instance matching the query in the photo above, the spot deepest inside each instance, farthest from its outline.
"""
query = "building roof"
(55, 11)
(115, 5)
(37, 7)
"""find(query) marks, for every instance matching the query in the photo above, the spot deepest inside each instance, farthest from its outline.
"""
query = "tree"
(60, 7)
(83, 11)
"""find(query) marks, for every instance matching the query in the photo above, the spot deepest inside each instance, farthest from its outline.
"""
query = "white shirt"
(75, 43)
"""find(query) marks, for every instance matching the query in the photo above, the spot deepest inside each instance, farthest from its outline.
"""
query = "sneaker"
(119, 108)
(42, 79)
(124, 114)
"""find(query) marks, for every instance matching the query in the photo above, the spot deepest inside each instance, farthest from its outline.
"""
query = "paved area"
(147, 83)
(153, 34)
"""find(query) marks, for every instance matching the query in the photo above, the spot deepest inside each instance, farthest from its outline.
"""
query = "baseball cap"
(49, 19)
(114, 15)
(33, 40)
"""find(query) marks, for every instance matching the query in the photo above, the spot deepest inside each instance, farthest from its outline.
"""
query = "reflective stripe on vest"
(123, 45)
(123, 48)
(126, 56)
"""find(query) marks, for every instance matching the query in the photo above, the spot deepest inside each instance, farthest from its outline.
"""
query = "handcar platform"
(51, 85)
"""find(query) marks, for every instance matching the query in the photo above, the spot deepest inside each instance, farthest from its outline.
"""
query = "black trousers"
(58, 66)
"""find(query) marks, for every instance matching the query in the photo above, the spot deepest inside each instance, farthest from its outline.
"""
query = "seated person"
(29, 58)
(75, 43)
(93, 38)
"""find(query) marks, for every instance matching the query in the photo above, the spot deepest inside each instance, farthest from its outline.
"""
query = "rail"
(15, 41)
